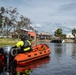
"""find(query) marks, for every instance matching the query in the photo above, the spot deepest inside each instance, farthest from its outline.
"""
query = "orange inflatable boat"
(34, 64)
(20, 70)
(38, 51)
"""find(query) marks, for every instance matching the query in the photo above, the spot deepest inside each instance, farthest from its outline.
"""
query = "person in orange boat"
(24, 44)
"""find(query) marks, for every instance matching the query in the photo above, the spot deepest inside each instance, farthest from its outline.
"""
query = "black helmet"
(23, 37)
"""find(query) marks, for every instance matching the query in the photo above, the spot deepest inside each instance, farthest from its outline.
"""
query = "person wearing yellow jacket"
(24, 44)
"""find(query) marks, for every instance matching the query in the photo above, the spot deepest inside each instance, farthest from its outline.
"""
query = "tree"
(0, 20)
(74, 31)
(2, 11)
(63, 36)
(58, 32)
(23, 23)
(11, 21)
(8, 21)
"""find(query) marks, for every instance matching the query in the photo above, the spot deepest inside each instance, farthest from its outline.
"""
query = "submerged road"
(62, 61)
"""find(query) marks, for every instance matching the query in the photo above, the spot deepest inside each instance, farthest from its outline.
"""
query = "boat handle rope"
(43, 47)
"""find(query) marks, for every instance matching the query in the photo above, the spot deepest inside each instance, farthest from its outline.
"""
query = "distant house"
(44, 35)
(69, 36)
(31, 33)
(26, 30)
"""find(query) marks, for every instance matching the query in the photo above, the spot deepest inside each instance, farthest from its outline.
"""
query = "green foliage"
(8, 21)
(2, 10)
(58, 32)
(8, 41)
(74, 31)
(63, 36)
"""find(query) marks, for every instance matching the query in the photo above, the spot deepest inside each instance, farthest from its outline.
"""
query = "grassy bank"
(8, 41)
(11, 41)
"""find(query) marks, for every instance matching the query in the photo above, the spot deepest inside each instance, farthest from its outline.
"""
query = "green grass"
(8, 41)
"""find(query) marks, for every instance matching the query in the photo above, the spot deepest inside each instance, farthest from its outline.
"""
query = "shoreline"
(10, 41)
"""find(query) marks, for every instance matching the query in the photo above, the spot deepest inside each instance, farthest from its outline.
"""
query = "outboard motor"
(6, 52)
(9, 73)
(9, 54)
(5, 73)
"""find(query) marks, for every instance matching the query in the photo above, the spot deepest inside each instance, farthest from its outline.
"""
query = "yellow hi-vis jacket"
(24, 44)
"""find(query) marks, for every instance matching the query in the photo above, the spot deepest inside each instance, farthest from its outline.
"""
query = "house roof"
(44, 33)
(28, 28)
(25, 29)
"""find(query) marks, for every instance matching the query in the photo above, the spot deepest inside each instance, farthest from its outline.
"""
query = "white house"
(69, 36)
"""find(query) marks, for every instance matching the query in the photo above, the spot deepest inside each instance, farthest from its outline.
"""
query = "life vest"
(25, 45)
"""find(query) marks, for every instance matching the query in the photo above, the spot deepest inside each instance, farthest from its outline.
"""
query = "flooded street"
(62, 61)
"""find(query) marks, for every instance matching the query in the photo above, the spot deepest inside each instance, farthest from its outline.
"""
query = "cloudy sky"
(46, 15)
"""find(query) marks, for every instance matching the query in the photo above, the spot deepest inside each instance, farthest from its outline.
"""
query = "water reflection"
(23, 70)
(1, 66)
(26, 72)
(58, 50)
(62, 62)
(74, 51)
(70, 49)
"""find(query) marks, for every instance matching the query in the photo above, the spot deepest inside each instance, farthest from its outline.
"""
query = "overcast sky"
(46, 15)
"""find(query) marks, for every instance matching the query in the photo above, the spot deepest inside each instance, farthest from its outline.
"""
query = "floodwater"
(62, 61)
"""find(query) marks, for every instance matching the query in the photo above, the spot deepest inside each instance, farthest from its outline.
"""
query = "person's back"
(27, 45)
(24, 44)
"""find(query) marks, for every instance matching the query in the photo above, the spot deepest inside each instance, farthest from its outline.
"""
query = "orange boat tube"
(32, 65)
(39, 51)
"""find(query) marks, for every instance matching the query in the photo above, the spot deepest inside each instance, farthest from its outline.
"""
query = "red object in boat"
(1, 57)
(34, 64)
(39, 51)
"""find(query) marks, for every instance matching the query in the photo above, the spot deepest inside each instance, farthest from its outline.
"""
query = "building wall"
(45, 37)
(69, 36)
(32, 34)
